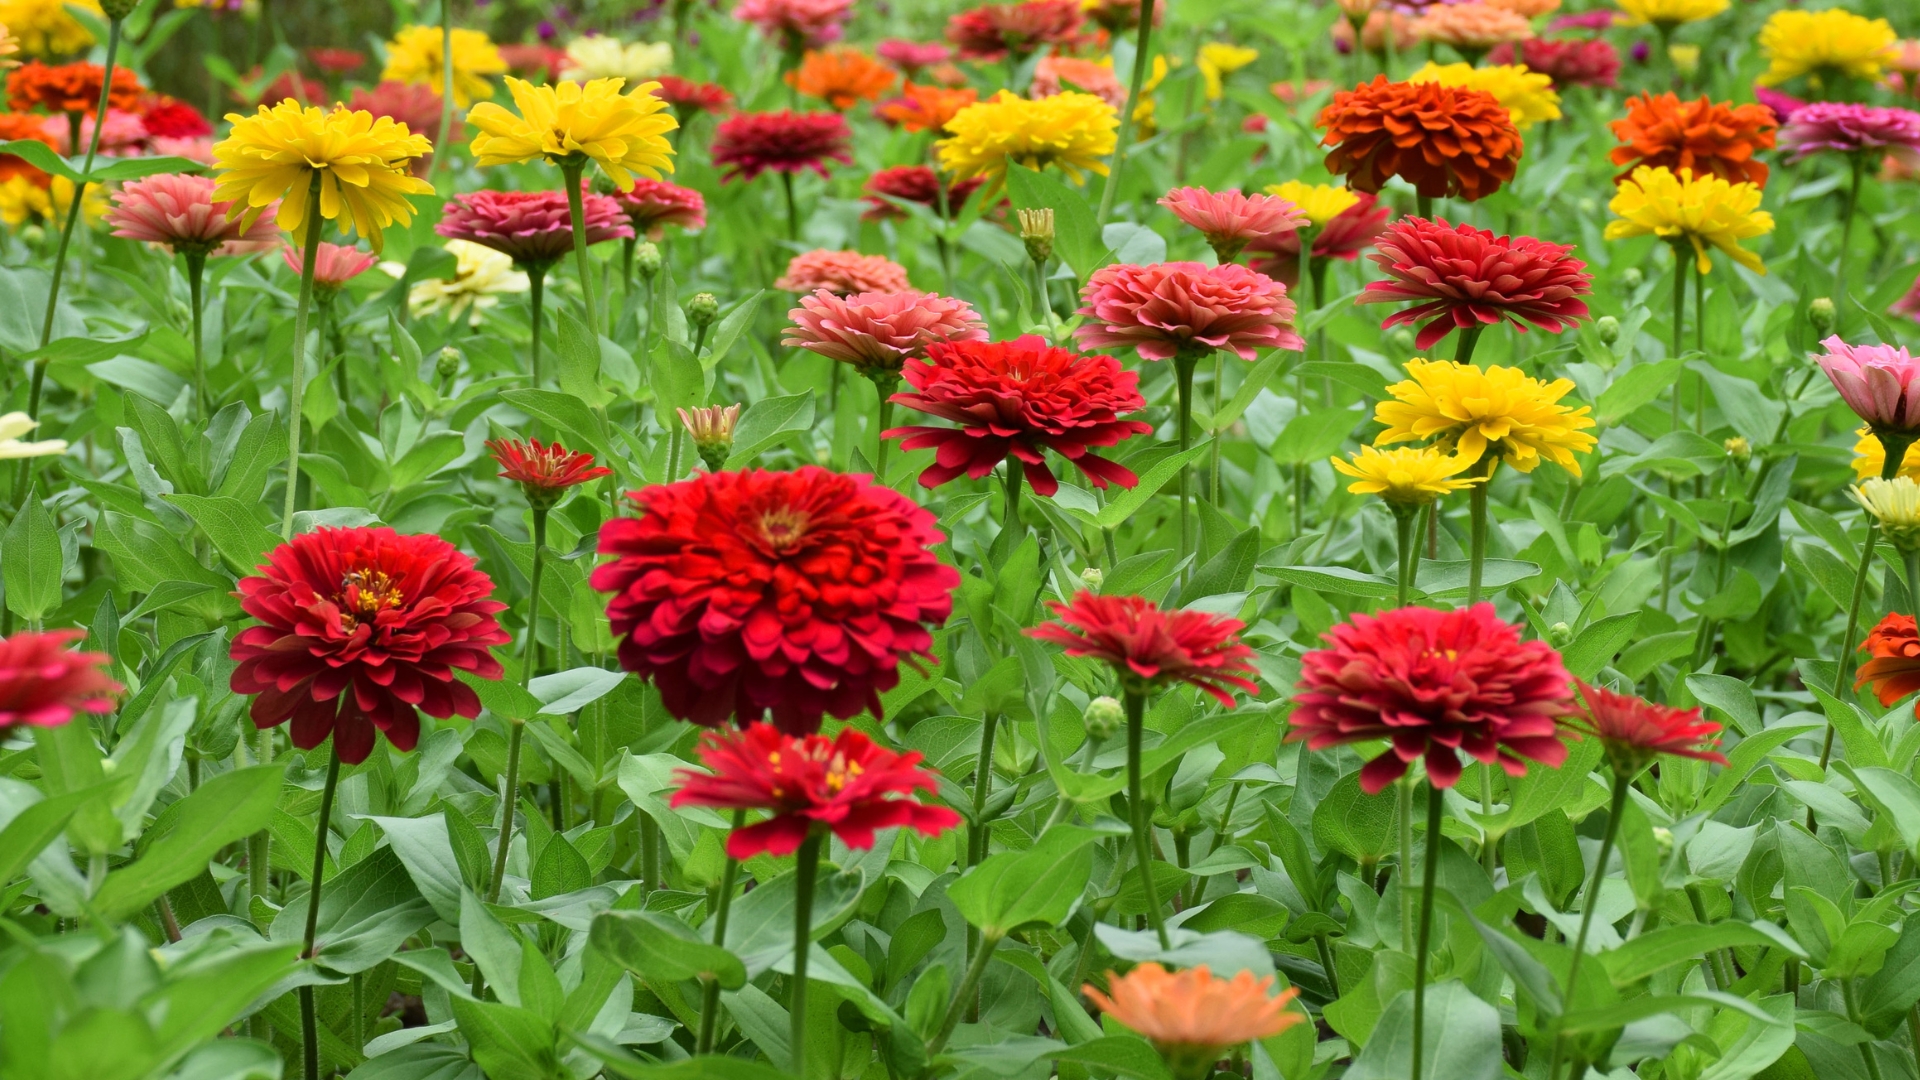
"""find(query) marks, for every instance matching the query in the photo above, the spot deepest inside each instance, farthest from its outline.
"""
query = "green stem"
(805, 873)
(710, 993)
(1141, 815)
(196, 275)
(1143, 39)
(793, 208)
(1403, 804)
(1183, 364)
(536, 302)
(982, 787)
(1853, 1013)
(1464, 346)
(1422, 204)
(883, 385)
(1477, 529)
(1621, 784)
(1213, 470)
(309, 1022)
(309, 253)
(446, 87)
(259, 883)
(1403, 523)
(529, 661)
(1436, 800)
(1679, 324)
(1858, 161)
(1013, 478)
(969, 986)
(576, 213)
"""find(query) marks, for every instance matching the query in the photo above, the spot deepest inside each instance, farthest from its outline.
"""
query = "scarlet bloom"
(1150, 646)
(687, 97)
(848, 785)
(22, 126)
(796, 593)
(1232, 219)
(1894, 670)
(1184, 307)
(1447, 141)
(337, 61)
(69, 88)
(788, 142)
(1635, 731)
(361, 629)
(1704, 135)
(1351, 232)
(916, 184)
(1433, 682)
(652, 205)
(1567, 61)
(1020, 397)
(166, 117)
(841, 77)
(878, 332)
(843, 273)
(535, 228)
(1466, 278)
(544, 472)
(926, 108)
(333, 264)
(43, 683)
(1191, 1017)
(181, 212)
(991, 31)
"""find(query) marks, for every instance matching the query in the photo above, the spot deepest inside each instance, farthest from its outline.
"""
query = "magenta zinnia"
(535, 228)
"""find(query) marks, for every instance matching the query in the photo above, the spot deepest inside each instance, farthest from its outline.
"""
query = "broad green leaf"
(1128, 503)
(1462, 1039)
(222, 810)
(1018, 888)
(767, 422)
(661, 948)
(31, 563)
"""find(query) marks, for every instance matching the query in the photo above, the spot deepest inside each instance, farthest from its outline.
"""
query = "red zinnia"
(170, 118)
(1020, 397)
(916, 184)
(1150, 646)
(652, 205)
(361, 629)
(786, 141)
(1635, 731)
(544, 472)
(991, 31)
(337, 61)
(797, 592)
(1894, 671)
(1448, 142)
(1433, 682)
(534, 227)
(1567, 61)
(1469, 278)
(43, 683)
(69, 88)
(845, 784)
(1351, 232)
(687, 97)
(23, 126)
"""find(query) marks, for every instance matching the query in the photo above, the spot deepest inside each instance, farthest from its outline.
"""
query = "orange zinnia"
(69, 88)
(841, 77)
(1192, 1017)
(926, 108)
(1447, 141)
(1706, 136)
(1894, 671)
(22, 126)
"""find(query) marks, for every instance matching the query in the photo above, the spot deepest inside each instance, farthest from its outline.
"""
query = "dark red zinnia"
(687, 97)
(1150, 646)
(847, 784)
(170, 118)
(43, 683)
(1635, 731)
(534, 227)
(1434, 682)
(1567, 61)
(1466, 277)
(799, 593)
(991, 31)
(361, 630)
(1894, 670)
(1351, 232)
(789, 142)
(917, 184)
(544, 471)
(1020, 397)
(652, 205)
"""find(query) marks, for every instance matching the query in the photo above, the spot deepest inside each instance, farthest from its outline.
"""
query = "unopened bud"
(1631, 278)
(1822, 314)
(1104, 718)
(646, 260)
(1401, 339)
(1739, 449)
(1036, 230)
(448, 365)
(712, 429)
(1663, 839)
(118, 9)
(604, 186)
(1560, 635)
(702, 310)
(1608, 328)
(1093, 577)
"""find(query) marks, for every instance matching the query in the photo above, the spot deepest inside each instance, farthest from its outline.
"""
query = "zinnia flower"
(1150, 647)
(916, 184)
(412, 104)
(1321, 203)
(43, 683)
(1231, 219)
(1634, 731)
(1527, 95)
(481, 277)
(1895, 504)
(181, 212)
(1020, 398)
(170, 118)
(1567, 61)
(1846, 128)
(1407, 475)
(711, 428)
(123, 134)
(1345, 236)
(1193, 1018)
(333, 265)
(842, 273)
(542, 62)
(1704, 211)
(841, 77)
(785, 142)
(926, 108)
(796, 593)
(597, 56)
(1474, 412)
(911, 56)
(623, 133)
(415, 56)
(289, 84)
(544, 471)
(361, 161)
(336, 61)
(1669, 13)
(1170, 308)
(1054, 74)
(69, 88)
(533, 228)
(22, 126)
(652, 205)
(848, 785)
(362, 629)
(1217, 60)
(1448, 142)
(12, 448)
(1466, 278)
(45, 27)
(1433, 683)
(1894, 670)
(1908, 305)
(687, 97)
(991, 31)
(1708, 137)
(1070, 130)
(38, 198)
(1824, 44)
(797, 24)
(1471, 28)
(878, 332)
(1880, 383)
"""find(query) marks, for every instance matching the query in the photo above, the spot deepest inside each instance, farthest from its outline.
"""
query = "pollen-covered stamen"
(783, 528)
(365, 593)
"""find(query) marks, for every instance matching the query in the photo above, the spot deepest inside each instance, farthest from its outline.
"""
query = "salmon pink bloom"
(181, 212)
(877, 332)
(1193, 1018)
(1468, 278)
(1168, 309)
(333, 264)
(843, 273)
(797, 24)
(1880, 383)
(788, 142)
(1231, 219)
(911, 56)
(1894, 670)
(43, 683)
(652, 205)
(544, 472)
(1634, 731)
(1149, 646)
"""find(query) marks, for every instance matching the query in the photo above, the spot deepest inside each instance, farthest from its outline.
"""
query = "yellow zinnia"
(1670, 13)
(1071, 130)
(1527, 94)
(25, 202)
(362, 163)
(1217, 60)
(596, 56)
(1407, 475)
(1830, 42)
(1895, 504)
(46, 27)
(624, 133)
(1500, 410)
(1700, 210)
(414, 56)
(1870, 457)
(1320, 202)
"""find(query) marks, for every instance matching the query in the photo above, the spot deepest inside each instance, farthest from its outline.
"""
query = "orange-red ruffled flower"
(1447, 141)
(1894, 670)
(841, 77)
(1703, 135)
(544, 472)
(1634, 731)
(1149, 646)
(925, 108)
(43, 683)
(69, 88)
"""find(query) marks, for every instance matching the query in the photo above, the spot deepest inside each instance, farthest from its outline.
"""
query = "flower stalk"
(1140, 815)
(722, 906)
(570, 172)
(1141, 56)
(1436, 800)
(805, 873)
(309, 1021)
(309, 252)
(529, 661)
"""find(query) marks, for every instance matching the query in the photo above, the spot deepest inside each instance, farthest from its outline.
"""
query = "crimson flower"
(652, 205)
(991, 31)
(1433, 682)
(915, 184)
(1567, 61)
(1150, 646)
(1186, 307)
(790, 142)
(1635, 731)
(1894, 670)
(170, 118)
(361, 629)
(544, 472)
(337, 61)
(1469, 278)
(535, 228)
(798, 593)
(846, 784)
(687, 97)
(43, 683)
(1020, 397)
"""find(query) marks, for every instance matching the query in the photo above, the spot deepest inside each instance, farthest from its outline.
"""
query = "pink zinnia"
(1469, 278)
(1167, 309)
(1351, 232)
(1784, 106)
(1880, 383)
(534, 227)
(911, 56)
(333, 264)
(200, 150)
(797, 24)
(652, 205)
(1567, 61)
(124, 135)
(878, 332)
(1908, 305)
(1847, 128)
(843, 273)
(180, 212)
(1231, 219)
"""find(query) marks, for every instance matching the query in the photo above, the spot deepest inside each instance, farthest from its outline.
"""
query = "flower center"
(840, 771)
(783, 528)
(365, 593)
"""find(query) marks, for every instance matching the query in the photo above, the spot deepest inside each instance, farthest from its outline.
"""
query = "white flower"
(598, 57)
(482, 277)
(15, 424)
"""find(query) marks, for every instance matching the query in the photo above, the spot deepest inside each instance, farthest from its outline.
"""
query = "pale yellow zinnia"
(623, 133)
(1824, 44)
(362, 161)
(1473, 412)
(1407, 475)
(1527, 95)
(597, 56)
(1704, 211)
(1217, 60)
(481, 277)
(414, 56)
(1895, 504)
(1669, 13)
(1071, 131)
(1320, 202)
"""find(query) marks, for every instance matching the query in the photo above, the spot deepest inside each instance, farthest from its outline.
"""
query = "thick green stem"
(723, 904)
(196, 280)
(1404, 518)
(529, 662)
(1142, 815)
(793, 208)
(1679, 325)
(258, 845)
(309, 1023)
(804, 874)
(1141, 41)
(1436, 801)
(969, 986)
(509, 795)
(1477, 529)
(1012, 519)
(570, 175)
(982, 787)
(1183, 364)
(883, 385)
(1852, 1001)
(309, 253)
(1464, 346)
(1621, 784)
(1403, 805)
(1859, 166)
(446, 87)
(536, 303)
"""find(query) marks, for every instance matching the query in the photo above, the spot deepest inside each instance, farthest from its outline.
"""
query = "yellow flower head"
(45, 27)
(1669, 13)
(362, 163)
(1071, 130)
(1895, 504)
(624, 133)
(1700, 210)
(1217, 60)
(1527, 94)
(596, 56)
(1822, 43)
(8, 46)
(1869, 457)
(1471, 413)
(414, 56)
(25, 202)
(1407, 475)
(1320, 202)
(481, 277)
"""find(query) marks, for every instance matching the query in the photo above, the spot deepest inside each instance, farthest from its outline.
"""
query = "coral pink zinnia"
(652, 205)
(362, 629)
(1169, 308)
(749, 144)
(1351, 232)
(1468, 278)
(333, 265)
(878, 332)
(843, 273)
(180, 212)
(43, 683)
(797, 24)
(1020, 397)
(1880, 383)
(1634, 731)
(1846, 128)
(1433, 683)
(1231, 219)
(798, 593)
(534, 228)
(1149, 646)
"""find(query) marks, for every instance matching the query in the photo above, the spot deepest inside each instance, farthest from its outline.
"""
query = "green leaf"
(1020, 888)
(1128, 503)
(1314, 436)
(1731, 696)
(1462, 1039)
(678, 380)
(1353, 823)
(222, 810)
(661, 948)
(584, 428)
(366, 914)
(578, 359)
(1596, 645)
(1227, 571)
(37, 826)
(729, 329)
(1636, 386)
(560, 869)
(1076, 235)
(232, 527)
(1339, 580)
(31, 563)
(509, 1043)
(766, 422)
(1666, 946)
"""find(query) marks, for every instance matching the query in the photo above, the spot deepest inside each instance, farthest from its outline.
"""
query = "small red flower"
(1467, 277)
(43, 683)
(1150, 646)
(1635, 731)
(749, 144)
(991, 31)
(1894, 670)
(544, 472)
(170, 118)
(917, 184)
(1022, 398)
(687, 97)
(846, 784)
(1434, 682)
(337, 61)
(362, 629)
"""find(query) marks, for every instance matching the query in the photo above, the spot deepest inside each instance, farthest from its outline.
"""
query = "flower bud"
(1036, 229)
(646, 260)
(1739, 449)
(448, 365)
(1663, 839)
(1104, 718)
(1560, 635)
(1608, 328)
(1822, 314)
(118, 9)
(712, 429)
(604, 186)
(1093, 577)
(1401, 339)
(702, 310)
(1631, 278)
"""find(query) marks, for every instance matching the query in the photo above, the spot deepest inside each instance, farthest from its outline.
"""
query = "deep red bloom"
(845, 784)
(1567, 61)
(1351, 232)
(991, 31)
(534, 227)
(170, 118)
(544, 472)
(797, 592)
(914, 183)
(1150, 646)
(652, 205)
(1894, 670)
(362, 628)
(1020, 397)
(1635, 731)
(1434, 682)
(1447, 141)
(43, 683)
(1467, 277)
(337, 61)
(69, 88)
(688, 97)
(789, 142)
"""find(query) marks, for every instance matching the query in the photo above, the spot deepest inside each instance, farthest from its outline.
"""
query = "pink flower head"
(843, 273)
(333, 265)
(1784, 106)
(1231, 219)
(1881, 383)
(911, 56)
(1466, 277)
(125, 134)
(879, 332)
(193, 149)
(1056, 74)
(1584, 20)
(1844, 127)
(534, 227)
(1908, 305)
(1351, 232)
(797, 24)
(652, 205)
(180, 212)
(1167, 309)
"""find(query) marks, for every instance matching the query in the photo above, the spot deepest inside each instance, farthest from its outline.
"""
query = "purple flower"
(1881, 383)
(1844, 127)
(1641, 51)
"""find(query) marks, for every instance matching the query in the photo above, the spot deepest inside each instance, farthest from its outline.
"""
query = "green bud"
(1631, 278)
(1560, 635)
(702, 310)
(118, 9)
(646, 259)
(604, 186)
(1036, 230)
(449, 363)
(1822, 314)
(1104, 718)
(1739, 449)
(1093, 577)
(1608, 328)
